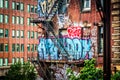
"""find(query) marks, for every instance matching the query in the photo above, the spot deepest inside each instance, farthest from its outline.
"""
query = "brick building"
(76, 14)
(83, 14)
(115, 36)
(18, 37)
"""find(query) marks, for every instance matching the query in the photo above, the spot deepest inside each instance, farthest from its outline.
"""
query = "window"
(17, 20)
(13, 33)
(32, 34)
(1, 47)
(17, 6)
(13, 19)
(32, 47)
(28, 8)
(32, 24)
(100, 6)
(6, 32)
(101, 1)
(35, 9)
(13, 5)
(22, 60)
(5, 61)
(28, 21)
(86, 5)
(13, 47)
(21, 20)
(6, 47)
(100, 40)
(1, 18)
(1, 3)
(1, 61)
(22, 47)
(6, 18)
(17, 59)
(13, 60)
(28, 47)
(32, 9)
(28, 34)
(1, 33)
(22, 34)
(36, 47)
(6, 4)
(18, 47)
(21, 6)
(18, 34)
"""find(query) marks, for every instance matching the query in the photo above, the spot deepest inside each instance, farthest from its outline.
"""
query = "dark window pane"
(13, 47)
(1, 47)
(22, 47)
(6, 33)
(6, 47)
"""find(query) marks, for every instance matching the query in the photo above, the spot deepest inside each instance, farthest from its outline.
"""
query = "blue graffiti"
(76, 48)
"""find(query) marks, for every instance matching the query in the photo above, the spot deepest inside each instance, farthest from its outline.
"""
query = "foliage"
(71, 75)
(116, 76)
(88, 72)
(20, 71)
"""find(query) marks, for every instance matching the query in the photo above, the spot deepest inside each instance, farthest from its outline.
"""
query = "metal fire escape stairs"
(48, 24)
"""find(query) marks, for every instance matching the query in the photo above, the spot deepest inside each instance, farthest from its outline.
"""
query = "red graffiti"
(74, 32)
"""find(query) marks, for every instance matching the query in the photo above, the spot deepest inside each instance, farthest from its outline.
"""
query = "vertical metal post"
(107, 40)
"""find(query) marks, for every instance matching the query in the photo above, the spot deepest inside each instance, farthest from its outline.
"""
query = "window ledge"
(100, 55)
(86, 9)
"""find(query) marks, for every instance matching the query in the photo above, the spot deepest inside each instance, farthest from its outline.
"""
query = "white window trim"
(86, 8)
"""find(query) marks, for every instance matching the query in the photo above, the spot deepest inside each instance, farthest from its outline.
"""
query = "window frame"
(22, 6)
(6, 4)
(6, 33)
(100, 40)
(22, 33)
(13, 47)
(28, 34)
(1, 61)
(1, 18)
(17, 20)
(21, 20)
(85, 8)
(17, 33)
(2, 2)
(1, 33)
(6, 45)
(6, 19)
(17, 6)
(13, 20)
(18, 47)
(13, 33)
(28, 47)
(1, 47)
(28, 8)
(5, 61)
(22, 47)
(13, 5)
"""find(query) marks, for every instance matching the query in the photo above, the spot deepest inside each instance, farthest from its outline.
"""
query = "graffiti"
(44, 7)
(94, 38)
(77, 48)
(74, 32)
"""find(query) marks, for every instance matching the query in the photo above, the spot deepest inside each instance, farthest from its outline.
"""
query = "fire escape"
(48, 26)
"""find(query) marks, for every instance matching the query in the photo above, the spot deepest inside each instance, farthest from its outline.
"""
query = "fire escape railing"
(48, 25)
